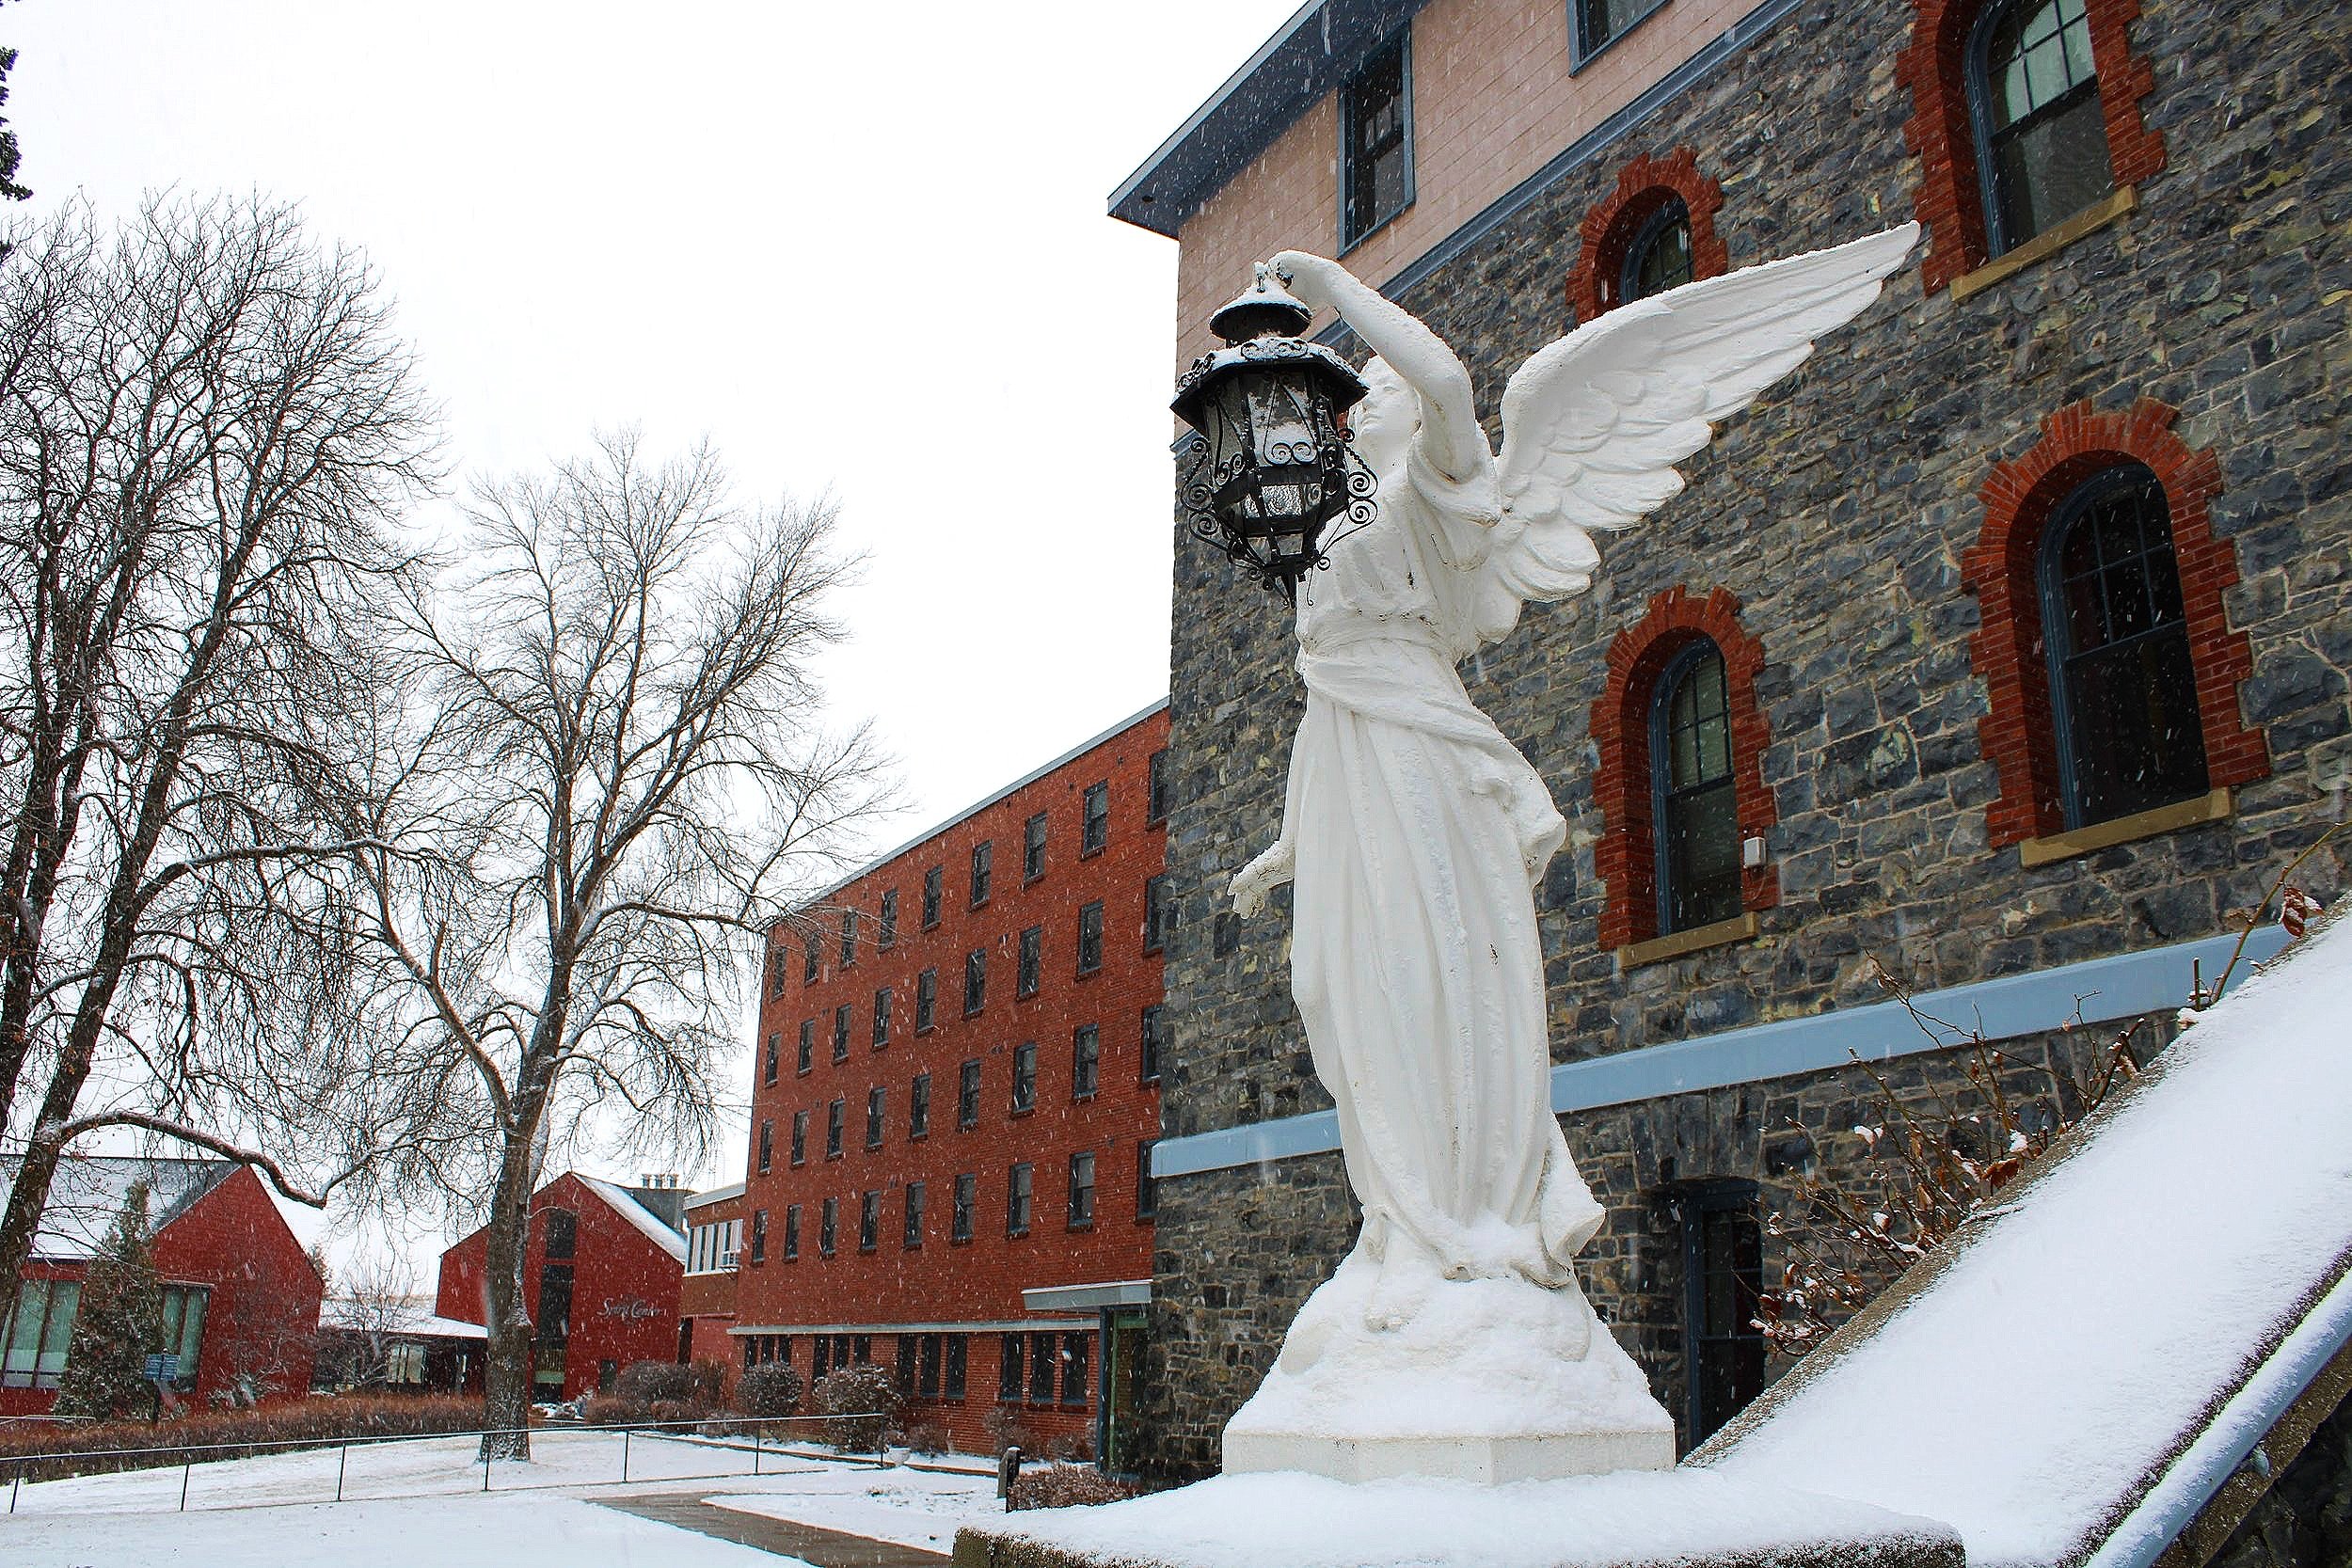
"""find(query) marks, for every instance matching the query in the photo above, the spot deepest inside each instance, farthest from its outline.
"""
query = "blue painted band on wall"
(2096, 991)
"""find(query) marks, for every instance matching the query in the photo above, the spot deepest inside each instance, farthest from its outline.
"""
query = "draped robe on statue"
(1419, 831)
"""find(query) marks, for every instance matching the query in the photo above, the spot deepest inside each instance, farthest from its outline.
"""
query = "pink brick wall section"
(1493, 99)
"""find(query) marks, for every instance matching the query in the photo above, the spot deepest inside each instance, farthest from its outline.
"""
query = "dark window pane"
(800, 1138)
(925, 999)
(1024, 1076)
(968, 1095)
(1152, 1045)
(1147, 1195)
(1696, 810)
(919, 1106)
(1659, 258)
(2039, 102)
(1032, 961)
(808, 1045)
(1376, 152)
(1085, 1060)
(932, 880)
(967, 1195)
(886, 933)
(982, 854)
(1045, 1362)
(1089, 938)
(975, 981)
(1096, 828)
(1008, 1363)
(563, 1228)
(914, 1214)
(1033, 846)
(1157, 793)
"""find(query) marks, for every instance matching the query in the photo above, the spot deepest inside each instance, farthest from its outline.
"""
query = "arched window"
(1659, 257)
(2110, 668)
(1680, 783)
(1655, 232)
(2123, 682)
(2025, 117)
(1695, 811)
(2041, 144)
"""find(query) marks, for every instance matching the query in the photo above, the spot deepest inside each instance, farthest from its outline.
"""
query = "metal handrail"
(693, 1430)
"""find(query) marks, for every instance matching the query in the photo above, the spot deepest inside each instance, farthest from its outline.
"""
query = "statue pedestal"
(1485, 1379)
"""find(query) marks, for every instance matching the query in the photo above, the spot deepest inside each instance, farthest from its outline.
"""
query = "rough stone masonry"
(1837, 511)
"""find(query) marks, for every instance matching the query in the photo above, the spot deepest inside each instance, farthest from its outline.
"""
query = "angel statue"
(1453, 1338)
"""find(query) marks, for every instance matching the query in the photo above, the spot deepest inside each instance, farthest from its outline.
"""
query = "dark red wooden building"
(955, 1094)
(241, 1297)
(600, 1280)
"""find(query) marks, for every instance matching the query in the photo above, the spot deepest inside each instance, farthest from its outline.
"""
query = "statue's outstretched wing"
(1594, 424)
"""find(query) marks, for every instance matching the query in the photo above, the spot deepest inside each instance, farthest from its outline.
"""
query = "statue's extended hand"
(1311, 279)
(1272, 867)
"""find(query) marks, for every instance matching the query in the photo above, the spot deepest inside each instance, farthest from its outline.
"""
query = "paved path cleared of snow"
(911, 1508)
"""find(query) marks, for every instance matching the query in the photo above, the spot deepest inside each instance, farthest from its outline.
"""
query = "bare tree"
(615, 763)
(367, 1314)
(206, 429)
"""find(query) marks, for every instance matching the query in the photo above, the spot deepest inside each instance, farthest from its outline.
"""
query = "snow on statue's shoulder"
(2083, 1362)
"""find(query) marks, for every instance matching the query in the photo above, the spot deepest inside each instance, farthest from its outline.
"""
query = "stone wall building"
(2001, 648)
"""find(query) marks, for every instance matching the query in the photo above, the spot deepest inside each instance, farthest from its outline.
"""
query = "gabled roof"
(1318, 48)
(644, 1219)
(89, 1190)
(409, 1315)
(2074, 1377)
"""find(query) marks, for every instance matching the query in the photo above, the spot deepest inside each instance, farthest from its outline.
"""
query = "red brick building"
(601, 1279)
(955, 1095)
(241, 1297)
(714, 1240)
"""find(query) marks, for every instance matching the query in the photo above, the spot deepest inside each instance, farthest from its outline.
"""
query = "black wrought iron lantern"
(1270, 464)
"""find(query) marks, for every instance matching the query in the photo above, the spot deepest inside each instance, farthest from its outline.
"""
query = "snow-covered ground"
(421, 1502)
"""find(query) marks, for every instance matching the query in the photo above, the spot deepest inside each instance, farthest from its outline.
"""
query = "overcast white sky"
(863, 248)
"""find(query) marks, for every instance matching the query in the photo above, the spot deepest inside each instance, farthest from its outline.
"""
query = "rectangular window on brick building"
(967, 1199)
(968, 1095)
(828, 1226)
(1155, 792)
(835, 1112)
(919, 1106)
(926, 1001)
(800, 1138)
(1090, 939)
(1095, 827)
(807, 1059)
(914, 1236)
(766, 1145)
(563, 1232)
(849, 938)
(975, 980)
(882, 1018)
(1009, 1361)
(927, 1368)
(1159, 914)
(775, 1051)
(841, 1021)
(775, 971)
(886, 927)
(1086, 1061)
(1033, 848)
(1147, 1192)
(1152, 1041)
(1025, 976)
(951, 1382)
(812, 963)
(1075, 1349)
(1376, 141)
(1024, 1077)
(1081, 1191)
(983, 854)
(1044, 1361)
(759, 1236)
(870, 1220)
(933, 886)
(1019, 1182)
(791, 1233)
(874, 1116)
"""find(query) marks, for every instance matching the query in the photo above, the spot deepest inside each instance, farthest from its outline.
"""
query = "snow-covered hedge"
(137, 1445)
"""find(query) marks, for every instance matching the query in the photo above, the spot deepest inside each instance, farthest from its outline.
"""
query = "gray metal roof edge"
(878, 862)
(2096, 991)
(716, 1195)
(1261, 91)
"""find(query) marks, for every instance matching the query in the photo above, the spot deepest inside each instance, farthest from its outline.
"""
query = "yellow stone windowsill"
(2048, 243)
(1741, 927)
(2217, 806)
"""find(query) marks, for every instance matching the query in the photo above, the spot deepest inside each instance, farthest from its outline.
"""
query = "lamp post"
(1269, 465)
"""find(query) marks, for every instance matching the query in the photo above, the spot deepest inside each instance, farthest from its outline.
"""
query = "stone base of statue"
(1488, 1380)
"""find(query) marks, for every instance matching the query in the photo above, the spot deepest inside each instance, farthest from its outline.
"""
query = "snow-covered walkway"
(422, 1503)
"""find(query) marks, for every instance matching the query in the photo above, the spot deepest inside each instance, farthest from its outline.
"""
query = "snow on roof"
(409, 1315)
(637, 1215)
(89, 1190)
(716, 1195)
(2031, 1387)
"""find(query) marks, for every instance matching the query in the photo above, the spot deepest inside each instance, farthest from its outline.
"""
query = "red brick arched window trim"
(2018, 732)
(1934, 68)
(1644, 185)
(1627, 855)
